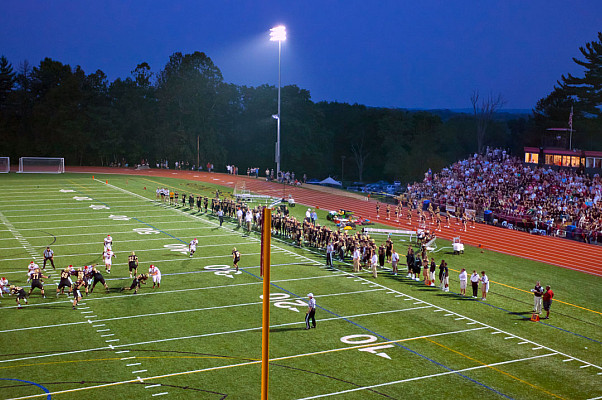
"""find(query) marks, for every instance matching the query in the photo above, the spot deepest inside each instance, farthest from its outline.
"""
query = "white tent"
(330, 182)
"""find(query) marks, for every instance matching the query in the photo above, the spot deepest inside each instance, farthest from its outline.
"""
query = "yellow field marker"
(496, 369)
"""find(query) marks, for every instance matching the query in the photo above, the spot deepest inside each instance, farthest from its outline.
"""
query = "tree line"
(56, 110)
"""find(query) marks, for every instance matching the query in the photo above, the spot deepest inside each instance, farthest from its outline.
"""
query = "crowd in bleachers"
(535, 198)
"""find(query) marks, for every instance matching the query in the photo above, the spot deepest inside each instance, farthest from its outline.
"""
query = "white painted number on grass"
(82, 198)
(289, 305)
(223, 270)
(365, 339)
(145, 231)
(178, 248)
(98, 207)
(119, 217)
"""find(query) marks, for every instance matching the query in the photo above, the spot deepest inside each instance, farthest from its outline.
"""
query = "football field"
(198, 336)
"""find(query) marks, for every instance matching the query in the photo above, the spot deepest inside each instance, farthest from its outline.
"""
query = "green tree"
(7, 81)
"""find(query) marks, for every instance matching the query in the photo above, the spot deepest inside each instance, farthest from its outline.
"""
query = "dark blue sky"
(411, 54)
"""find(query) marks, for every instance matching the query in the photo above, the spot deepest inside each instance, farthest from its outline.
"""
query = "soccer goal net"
(4, 164)
(46, 165)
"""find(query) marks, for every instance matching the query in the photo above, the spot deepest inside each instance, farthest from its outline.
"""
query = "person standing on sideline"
(373, 264)
(329, 254)
(537, 297)
(220, 215)
(394, 261)
(484, 285)
(235, 258)
(474, 281)
(463, 281)
(432, 270)
(311, 312)
(48, 255)
(239, 216)
(356, 259)
(547, 301)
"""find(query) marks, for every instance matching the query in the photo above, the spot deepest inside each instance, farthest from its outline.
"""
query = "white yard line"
(425, 377)
(274, 359)
(231, 332)
(180, 312)
(171, 292)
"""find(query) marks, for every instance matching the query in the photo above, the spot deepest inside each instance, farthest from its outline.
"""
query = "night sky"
(409, 54)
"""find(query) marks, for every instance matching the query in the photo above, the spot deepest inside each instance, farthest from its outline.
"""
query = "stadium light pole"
(278, 34)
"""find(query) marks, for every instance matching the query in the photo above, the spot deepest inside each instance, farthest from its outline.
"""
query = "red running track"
(555, 251)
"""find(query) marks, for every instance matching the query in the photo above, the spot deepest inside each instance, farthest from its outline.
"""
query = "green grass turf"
(199, 335)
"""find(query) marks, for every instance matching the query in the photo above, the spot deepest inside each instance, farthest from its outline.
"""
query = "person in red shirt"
(547, 301)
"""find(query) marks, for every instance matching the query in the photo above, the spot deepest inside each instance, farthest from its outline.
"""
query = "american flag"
(571, 119)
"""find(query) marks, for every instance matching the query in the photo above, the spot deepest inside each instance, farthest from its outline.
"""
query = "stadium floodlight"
(4, 164)
(278, 34)
(44, 165)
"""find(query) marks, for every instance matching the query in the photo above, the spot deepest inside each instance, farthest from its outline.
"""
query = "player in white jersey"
(156, 274)
(108, 243)
(30, 269)
(192, 246)
(107, 256)
(4, 286)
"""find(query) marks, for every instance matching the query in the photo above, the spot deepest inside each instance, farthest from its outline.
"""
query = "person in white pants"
(156, 274)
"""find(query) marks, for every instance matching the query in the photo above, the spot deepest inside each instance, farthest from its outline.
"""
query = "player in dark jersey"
(81, 277)
(65, 281)
(235, 257)
(133, 263)
(98, 278)
(138, 280)
(191, 202)
(20, 293)
(77, 294)
(37, 282)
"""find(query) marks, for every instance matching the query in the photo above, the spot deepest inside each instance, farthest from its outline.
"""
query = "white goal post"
(46, 165)
(4, 164)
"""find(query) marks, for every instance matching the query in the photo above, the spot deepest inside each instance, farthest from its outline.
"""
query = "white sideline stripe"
(486, 325)
(273, 359)
(121, 242)
(424, 377)
(116, 233)
(235, 331)
(178, 312)
(155, 261)
(180, 290)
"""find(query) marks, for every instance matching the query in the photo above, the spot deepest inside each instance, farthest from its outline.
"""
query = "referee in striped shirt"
(48, 255)
(311, 312)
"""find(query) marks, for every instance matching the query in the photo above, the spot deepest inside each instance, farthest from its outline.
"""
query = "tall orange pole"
(266, 236)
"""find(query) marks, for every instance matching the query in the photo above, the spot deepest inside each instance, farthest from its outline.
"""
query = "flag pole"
(571, 129)
(266, 235)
